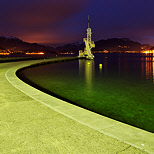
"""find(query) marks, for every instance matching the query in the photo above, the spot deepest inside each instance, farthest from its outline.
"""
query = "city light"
(4, 53)
(148, 51)
(34, 53)
(66, 53)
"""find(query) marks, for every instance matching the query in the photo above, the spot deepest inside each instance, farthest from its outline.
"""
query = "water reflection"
(87, 69)
(139, 67)
(149, 68)
(100, 69)
(81, 67)
(105, 63)
(153, 69)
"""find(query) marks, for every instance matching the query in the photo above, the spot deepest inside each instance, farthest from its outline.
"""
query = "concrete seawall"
(35, 122)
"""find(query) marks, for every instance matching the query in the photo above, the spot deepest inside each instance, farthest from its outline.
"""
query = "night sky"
(65, 21)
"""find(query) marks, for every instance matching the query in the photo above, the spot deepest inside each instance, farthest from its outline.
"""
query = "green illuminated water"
(122, 89)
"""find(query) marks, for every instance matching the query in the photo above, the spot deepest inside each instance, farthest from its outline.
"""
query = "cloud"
(38, 19)
(41, 12)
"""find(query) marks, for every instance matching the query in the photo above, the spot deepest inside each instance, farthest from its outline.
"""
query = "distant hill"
(1, 48)
(73, 47)
(112, 45)
(118, 44)
(152, 48)
(15, 44)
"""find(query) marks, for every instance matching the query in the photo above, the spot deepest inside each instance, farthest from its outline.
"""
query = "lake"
(122, 89)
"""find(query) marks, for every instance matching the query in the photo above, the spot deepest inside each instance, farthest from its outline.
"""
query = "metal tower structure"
(88, 45)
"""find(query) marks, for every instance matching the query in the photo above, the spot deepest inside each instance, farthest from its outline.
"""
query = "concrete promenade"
(32, 122)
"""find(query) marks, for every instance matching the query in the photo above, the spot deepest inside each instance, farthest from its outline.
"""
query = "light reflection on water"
(87, 69)
(149, 66)
(153, 69)
(142, 66)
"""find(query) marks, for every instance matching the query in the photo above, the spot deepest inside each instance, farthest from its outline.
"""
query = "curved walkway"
(34, 122)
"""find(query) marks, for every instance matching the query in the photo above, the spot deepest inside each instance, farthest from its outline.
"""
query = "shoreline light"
(4, 53)
(148, 51)
(34, 53)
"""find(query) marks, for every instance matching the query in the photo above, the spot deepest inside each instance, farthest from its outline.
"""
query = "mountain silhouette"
(15, 44)
(112, 45)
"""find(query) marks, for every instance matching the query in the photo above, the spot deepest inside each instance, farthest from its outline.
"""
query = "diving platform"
(87, 53)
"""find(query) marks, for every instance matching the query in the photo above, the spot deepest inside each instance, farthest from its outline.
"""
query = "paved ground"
(34, 122)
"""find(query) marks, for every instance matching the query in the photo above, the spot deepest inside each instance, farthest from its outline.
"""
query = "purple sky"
(65, 21)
